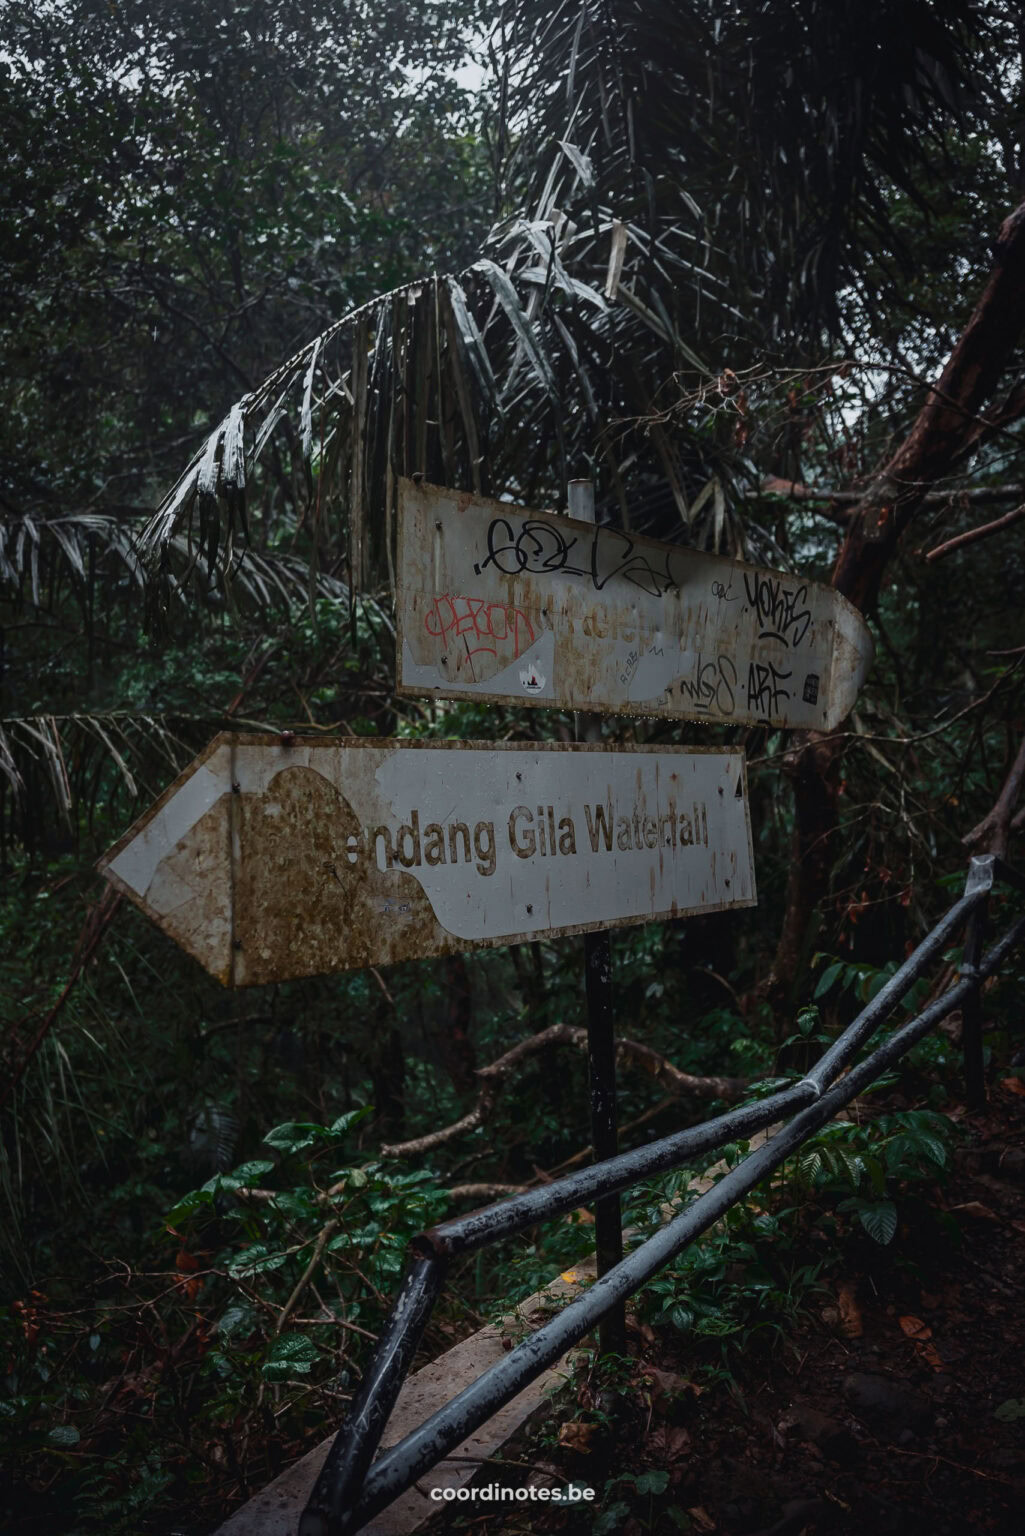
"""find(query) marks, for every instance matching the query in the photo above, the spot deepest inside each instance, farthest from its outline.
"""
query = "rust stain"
(301, 908)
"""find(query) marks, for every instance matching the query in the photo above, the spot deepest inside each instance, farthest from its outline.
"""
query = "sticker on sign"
(271, 858)
(507, 604)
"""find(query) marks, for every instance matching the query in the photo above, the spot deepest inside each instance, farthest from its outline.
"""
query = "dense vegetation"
(204, 1198)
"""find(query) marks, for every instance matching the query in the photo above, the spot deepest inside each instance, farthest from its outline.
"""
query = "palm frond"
(39, 556)
(688, 174)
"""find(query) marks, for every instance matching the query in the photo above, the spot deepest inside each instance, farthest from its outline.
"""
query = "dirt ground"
(895, 1407)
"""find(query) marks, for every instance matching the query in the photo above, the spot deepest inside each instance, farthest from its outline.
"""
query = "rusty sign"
(271, 858)
(507, 604)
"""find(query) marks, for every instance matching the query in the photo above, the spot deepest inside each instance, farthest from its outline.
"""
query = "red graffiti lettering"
(482, 626)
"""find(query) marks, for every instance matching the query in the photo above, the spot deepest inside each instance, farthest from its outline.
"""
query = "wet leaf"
(879, 1220)
(702, 1519)
(666, 1383)
(611, 1519)
(920, 1333)
(577, 1436)
(652, 1482)
(976, 1209)
(64, 1435)
(851, 1322)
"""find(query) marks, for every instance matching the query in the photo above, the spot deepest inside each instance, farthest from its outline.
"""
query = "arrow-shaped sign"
(272, 857)
(510, 605)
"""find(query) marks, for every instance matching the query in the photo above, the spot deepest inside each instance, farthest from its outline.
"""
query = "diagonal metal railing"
(351, 1490)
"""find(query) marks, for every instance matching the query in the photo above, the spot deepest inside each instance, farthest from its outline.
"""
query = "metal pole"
(340, 1481)
(601, 1045)
(601, 1058)
(980, 873)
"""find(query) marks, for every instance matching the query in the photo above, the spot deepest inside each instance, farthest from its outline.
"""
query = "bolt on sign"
(271, 858)
(512, 605)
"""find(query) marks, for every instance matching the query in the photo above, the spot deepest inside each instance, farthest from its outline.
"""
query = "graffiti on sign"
(511, 604)
(268, 860)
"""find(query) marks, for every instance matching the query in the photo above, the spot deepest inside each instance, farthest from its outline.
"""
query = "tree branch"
(326, 1232)
(945, 430)
(992, 831)
(983, 531)
(944, 426)
(795, 490)
(628, 1053)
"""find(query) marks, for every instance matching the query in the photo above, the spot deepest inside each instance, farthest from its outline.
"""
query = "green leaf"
(188, 1205)
(933, 1149)
(234, 1319)
(652, 1482)
(298, 1203)
(295, 1136)
(826, 980)
(1011, 1411)
(807, 1020)
(64, 1434)
(852, 1165)
(717, 1326)
(681, 1317)
(291, 1353)
(611, 1519)
(256, 1261)
(346, 1122)
(876, 983)
(879, 1220)
(248, 1173)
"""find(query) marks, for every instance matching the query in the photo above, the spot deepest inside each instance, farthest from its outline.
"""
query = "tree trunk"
(947, 429)
(454, 1039)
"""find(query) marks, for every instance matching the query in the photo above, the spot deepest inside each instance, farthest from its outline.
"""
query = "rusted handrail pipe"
(465, 1234)
(400, 1466)
(341, 1500)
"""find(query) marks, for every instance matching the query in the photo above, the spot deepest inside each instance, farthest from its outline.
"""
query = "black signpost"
(601, 1044)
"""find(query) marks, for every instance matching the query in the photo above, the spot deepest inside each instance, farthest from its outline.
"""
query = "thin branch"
(586, 1154)
(984, 531)
(326, 1231)
(794, 490)
(992, 832)
(628, 1053)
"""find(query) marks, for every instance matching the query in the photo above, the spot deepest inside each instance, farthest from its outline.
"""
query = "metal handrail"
(349, 1491)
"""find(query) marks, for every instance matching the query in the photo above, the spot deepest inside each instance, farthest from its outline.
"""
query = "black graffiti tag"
(541, 548)
(544, 549)
(615, 554)
(782, 611)
(712, 686)
(765, 691)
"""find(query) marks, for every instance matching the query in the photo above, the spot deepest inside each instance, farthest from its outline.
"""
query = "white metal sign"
(507, 604)
(272, 857)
